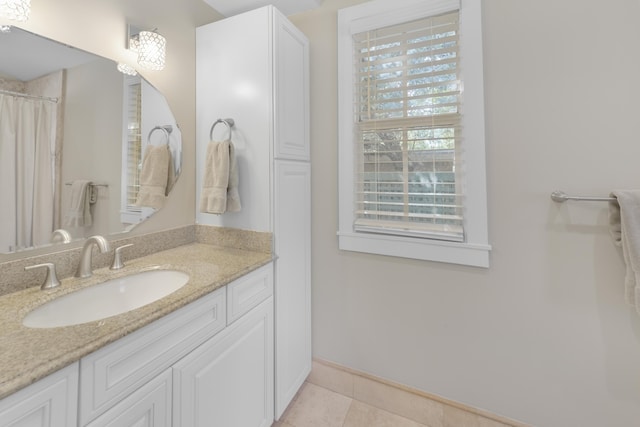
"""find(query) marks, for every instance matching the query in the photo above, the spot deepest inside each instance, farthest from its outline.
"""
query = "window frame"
(474, 251)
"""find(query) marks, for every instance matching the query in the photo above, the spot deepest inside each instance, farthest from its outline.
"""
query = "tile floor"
(315, 406)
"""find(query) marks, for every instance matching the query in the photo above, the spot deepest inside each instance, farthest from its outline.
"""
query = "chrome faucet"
(84, 268)
(60, 235)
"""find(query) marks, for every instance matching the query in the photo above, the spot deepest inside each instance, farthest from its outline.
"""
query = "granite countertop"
(27, 355)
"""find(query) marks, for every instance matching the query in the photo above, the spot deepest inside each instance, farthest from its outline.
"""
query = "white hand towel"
(79, 211)
(233, 197)
(624, 221)
(154, 176)
(220, 183)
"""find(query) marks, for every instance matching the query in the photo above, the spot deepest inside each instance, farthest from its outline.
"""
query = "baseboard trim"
(408, 402)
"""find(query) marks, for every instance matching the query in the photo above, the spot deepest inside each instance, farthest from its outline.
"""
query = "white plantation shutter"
(134, 144)
(408, 129)
(131, 150)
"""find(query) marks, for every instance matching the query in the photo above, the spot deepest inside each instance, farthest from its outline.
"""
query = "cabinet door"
(228, 380)
(292, 279)
(150, 406)
(291, 49)
(117, 370)
(50, 402)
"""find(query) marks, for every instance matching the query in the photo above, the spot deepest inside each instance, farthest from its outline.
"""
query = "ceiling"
(288, 7)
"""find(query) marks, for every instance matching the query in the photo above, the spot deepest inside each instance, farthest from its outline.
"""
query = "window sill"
(475, 255)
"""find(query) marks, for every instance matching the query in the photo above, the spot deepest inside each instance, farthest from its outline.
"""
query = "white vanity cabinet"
(254, 68)
(228, 381)
(199, 366)
(202, 365)
(50, 402)
(113, 373)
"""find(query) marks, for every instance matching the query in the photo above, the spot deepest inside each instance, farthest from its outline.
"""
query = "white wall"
(544, 335)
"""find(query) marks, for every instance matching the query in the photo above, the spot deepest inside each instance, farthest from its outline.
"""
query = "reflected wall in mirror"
(83, 147)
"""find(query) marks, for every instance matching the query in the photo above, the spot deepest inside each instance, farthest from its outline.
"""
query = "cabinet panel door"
(292, 279)
(228, 380)
(292, 91)
(115, 371)
(150, 406)
(50, 402)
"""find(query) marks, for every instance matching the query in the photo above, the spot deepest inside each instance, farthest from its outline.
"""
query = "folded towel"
(220, 185)
(171, 179)
(213, 198)
(79, 211)
(233, 197)
(155, 176)
(624, 221)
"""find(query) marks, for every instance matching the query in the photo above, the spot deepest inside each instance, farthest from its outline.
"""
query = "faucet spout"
(84, 267)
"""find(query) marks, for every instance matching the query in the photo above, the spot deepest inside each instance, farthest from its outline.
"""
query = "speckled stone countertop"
(27, 355)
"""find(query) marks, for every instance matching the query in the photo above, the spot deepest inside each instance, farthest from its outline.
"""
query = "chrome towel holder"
(166, 129)
(561, 197)
(228, 122)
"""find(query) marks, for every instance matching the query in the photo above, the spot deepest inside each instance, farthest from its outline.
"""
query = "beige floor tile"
(363, 415)
(417, 408)
(486, 422)
(281, 424)
(454, 417)
(317, 407)
(334, 379)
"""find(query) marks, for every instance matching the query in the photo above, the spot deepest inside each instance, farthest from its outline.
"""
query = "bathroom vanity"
(200, 356)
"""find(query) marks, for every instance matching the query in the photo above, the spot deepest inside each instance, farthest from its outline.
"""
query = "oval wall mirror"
(73, 136)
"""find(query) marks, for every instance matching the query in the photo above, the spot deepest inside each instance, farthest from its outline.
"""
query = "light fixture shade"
(17, 10)
(127, 69)
(151, 50)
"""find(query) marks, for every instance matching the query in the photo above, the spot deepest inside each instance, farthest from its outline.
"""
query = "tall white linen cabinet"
(254, 69)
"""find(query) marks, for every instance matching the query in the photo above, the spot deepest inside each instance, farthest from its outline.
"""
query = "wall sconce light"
(150, 47)
(127, 69)
(151, 50)
(16, 10)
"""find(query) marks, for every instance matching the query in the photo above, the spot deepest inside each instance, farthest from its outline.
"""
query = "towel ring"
(167, 129)
(229, 122)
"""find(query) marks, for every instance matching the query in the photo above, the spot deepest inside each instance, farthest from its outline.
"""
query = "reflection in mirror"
(84, 149)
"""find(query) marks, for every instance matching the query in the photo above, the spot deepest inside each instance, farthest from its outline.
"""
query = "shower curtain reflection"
(27, 173)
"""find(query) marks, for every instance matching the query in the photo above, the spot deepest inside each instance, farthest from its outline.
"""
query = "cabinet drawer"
(115, 371)
(249, 291)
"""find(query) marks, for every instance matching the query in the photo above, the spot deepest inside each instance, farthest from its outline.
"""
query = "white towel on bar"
(220, 181)
(79, 210)
(155, 176)
(624, 221)
(233, 197)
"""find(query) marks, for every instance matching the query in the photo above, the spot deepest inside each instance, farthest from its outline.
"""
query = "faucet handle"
(51, 281)
(117, 257)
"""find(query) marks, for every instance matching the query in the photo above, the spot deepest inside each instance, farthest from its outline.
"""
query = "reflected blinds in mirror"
(133, 149)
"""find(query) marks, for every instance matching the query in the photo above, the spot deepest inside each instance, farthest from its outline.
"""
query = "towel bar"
(561, 197)
(93, 184)
(229, 122)
(167, 129)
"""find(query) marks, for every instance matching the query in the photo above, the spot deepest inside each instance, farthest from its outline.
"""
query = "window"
(411, 133)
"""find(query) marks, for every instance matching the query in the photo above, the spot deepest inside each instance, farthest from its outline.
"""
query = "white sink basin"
(106, 299)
